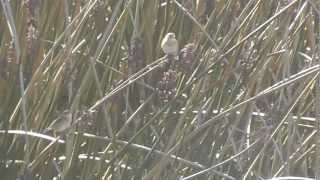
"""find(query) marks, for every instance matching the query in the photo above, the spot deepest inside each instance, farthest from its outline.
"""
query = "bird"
(62, 124)
(169, 44)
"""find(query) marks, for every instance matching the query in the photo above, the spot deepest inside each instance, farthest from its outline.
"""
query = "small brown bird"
(169, 44)
(62, 124)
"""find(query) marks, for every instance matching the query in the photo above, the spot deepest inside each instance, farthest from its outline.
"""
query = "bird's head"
(171, 35)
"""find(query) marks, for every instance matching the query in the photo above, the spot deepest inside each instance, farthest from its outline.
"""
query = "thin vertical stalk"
(13, 31)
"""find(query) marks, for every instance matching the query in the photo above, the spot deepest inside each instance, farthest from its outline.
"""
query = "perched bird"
(170, 45)
(61, 124)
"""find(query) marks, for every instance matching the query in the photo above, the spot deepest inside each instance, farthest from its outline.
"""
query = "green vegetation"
(241, 101)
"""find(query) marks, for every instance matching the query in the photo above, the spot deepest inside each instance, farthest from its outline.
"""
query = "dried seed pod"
(33, 7)
(167, 86)
(32, 31)
(136, 59)
(32, 46)
(187, 58)
(31, 37)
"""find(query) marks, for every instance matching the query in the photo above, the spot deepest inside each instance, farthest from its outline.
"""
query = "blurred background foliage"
(241, 101)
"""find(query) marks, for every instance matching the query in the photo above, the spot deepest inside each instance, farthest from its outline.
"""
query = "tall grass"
(242, 100)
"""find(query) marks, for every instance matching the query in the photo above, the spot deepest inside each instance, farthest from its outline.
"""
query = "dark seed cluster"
(187, 58)
(32, 31)
(32, 36)
(167, 86)
(136, 59)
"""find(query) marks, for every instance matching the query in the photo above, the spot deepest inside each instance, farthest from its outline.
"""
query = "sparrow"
(62, 124)
(169, 44)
